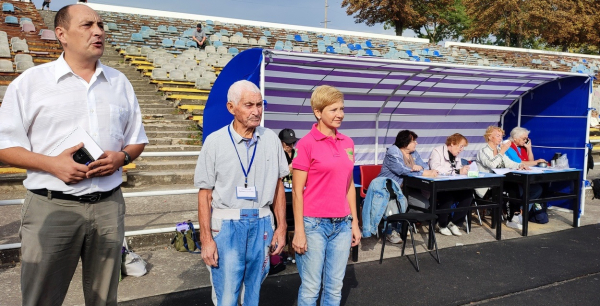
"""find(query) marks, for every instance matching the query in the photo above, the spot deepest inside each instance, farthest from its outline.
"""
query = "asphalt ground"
(561, 268)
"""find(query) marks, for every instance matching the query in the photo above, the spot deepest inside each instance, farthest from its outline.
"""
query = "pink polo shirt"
(329, 162)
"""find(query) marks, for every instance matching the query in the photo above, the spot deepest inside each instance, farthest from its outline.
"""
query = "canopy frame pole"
(519, 115)
(262, 86)
(587, 151)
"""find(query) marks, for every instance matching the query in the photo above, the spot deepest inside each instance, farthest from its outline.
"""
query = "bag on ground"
(539, 213)
(132, 264)
(185, 239)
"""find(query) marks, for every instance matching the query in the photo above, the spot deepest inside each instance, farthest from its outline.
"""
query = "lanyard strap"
(238, 154)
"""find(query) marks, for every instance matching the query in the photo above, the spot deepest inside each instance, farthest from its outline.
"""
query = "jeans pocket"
(310, 224)
(24, 210)
(216, 226)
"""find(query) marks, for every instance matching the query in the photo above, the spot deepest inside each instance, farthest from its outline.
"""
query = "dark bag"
(596, 188)
(185, 239)
(539, 213)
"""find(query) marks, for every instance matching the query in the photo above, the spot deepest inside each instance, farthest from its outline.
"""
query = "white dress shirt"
(47, 102)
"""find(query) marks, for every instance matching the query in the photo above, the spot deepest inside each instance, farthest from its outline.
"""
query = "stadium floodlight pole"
(325, 21)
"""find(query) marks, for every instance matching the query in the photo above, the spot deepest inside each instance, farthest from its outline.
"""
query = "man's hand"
(417, 168)
(66, 169)
(299, 243)
(278, 241)
(107, 164)
(210, 255)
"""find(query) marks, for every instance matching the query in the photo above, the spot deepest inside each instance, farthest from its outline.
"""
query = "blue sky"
(306, 13)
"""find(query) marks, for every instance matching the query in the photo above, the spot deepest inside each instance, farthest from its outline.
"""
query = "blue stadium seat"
(341, 40)
(330, 49)
(145, 28)
(188, 33)
(351, 47)
(8, 7)
(191, 43)
(409, 53)
(25, 19)
(233, 51)
(357, 47)
(390, 44)
(321, 49)
(267, 33)
(278, 47)
(180, 44)
(173, 30)
(369, 44)
(298, 38)
(305, 37)
(427, 60)
(207, 29)
(145, 34)
(224, 32)
(210, 22)
(162, 29)
(288, 44)
(320, 42)
(437, 53)
(112, 26)
(11, 20)
(137, 37)
(369, 52)
(167, 43)
(217, 44)
(240, 34)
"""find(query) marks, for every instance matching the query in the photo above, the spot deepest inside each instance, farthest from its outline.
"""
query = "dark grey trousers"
(55, 234)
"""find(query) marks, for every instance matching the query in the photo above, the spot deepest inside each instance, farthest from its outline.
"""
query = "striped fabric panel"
(432, 100)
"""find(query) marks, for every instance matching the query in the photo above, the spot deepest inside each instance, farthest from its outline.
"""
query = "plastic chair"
(137, 37)
(202, 83)
(173, 30)
(28, 27)
(267, 33)
(298, 38)
(217, 44)
(112, 26)
(20, 46)
(177, 75)
(22, 66)
(191, 76)
(159, 74)
(180, 44)
(23, 58)
(6, 66)
(184, 68)
(367, 174)
(167, 43)
(11, 20)
(233, 51)
(8, 7)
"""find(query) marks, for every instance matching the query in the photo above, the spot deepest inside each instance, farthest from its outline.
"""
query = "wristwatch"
(127, 158)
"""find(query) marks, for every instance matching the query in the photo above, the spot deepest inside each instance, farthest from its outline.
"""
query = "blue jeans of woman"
(324, 264)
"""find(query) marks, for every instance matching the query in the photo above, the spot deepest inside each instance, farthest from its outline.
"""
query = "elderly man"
(199, 36)
(71, 210)
(239, 174)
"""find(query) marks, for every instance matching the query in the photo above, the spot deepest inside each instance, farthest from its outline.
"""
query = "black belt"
(86, 198)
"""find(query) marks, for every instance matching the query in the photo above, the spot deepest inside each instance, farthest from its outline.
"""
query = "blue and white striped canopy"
(383, 97)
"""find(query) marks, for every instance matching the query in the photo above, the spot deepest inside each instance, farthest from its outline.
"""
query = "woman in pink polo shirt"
(324, 201)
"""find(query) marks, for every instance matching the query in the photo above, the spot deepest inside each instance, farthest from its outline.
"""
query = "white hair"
(234, 94)
(518, 131)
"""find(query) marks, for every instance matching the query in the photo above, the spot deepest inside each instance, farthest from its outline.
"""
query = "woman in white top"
(493, 156)
(594, 119)
(445, 160)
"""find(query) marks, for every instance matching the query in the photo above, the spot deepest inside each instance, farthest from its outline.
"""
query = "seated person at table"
(444, 160)
(403, 159)
(520, 148)
(493, 156)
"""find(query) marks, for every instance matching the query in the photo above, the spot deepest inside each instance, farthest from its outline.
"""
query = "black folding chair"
(408, 223)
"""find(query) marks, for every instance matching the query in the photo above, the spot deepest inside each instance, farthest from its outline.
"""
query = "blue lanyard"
(238, 154)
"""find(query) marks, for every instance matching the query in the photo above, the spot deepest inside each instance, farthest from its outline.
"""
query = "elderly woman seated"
(520, 148)
(444, 160)
(594, 122)
(403, 159)
(493, 156)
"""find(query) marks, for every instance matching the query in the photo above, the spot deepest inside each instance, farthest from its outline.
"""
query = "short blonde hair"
(455, 139)
(324, 96)
(490, 130)
(595, 112)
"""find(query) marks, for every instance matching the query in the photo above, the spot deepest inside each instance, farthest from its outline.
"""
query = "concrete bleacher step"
(172, 134)
(169, 126)
(154, 105)
(153, 110)
(160, 177)
(188, 164)
(171, 141)
(172, 148)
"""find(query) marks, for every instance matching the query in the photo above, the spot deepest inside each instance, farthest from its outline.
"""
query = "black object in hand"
(82, 156)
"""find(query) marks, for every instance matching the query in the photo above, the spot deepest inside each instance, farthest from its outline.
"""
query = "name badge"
(246, 193)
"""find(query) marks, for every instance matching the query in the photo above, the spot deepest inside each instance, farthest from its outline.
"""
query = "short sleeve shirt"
(199, 35)
(329, 163)
(219, 168)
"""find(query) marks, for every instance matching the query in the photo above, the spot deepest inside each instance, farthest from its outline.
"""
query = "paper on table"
(502, 171)
(453, 177)
(78, 135)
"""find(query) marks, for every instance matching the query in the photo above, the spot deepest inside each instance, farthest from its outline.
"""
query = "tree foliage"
(561, 24)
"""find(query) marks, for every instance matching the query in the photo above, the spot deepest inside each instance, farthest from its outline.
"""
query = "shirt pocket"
(118, 121)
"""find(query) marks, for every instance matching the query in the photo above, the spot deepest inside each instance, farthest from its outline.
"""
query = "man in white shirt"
(71, 210)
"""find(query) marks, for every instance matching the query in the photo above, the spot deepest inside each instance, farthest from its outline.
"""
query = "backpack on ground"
(185, 239)
(539, 213)
(131, 263)
(596, 188)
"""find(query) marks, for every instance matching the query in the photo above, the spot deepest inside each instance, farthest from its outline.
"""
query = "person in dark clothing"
(288, 140)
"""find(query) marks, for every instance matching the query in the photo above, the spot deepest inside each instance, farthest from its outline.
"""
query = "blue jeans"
(328, 242)
(243, 249)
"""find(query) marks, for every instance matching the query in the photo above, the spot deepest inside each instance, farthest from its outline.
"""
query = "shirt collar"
(238, 138)
(62, 68)
(320, 136)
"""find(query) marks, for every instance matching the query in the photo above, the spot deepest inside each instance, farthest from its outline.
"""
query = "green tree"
(404, 14)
